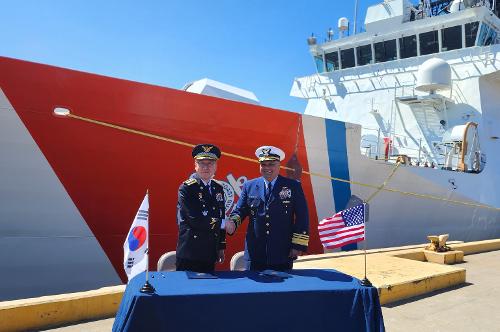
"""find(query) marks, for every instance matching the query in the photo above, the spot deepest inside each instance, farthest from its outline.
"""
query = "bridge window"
(429, 42)
(408, 46)
(364, 54)
(471, 33)
(451, 38)
(318, 60)
(332, 61)
(487, 35)
(347, 58)
(386, 51)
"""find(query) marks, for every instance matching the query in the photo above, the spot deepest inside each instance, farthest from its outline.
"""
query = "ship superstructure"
(419, 86)
(373, 79)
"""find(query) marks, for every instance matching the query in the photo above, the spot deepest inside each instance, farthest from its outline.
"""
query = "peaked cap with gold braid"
(268, 152)
(206, 151)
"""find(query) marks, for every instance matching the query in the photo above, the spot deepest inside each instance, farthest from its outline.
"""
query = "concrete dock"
(417, 295)
(472, 306)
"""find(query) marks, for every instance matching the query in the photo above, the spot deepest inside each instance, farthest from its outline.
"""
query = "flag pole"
(365, 282)
(147, 287)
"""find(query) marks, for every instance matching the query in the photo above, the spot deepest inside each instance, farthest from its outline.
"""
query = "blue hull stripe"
(339, 166)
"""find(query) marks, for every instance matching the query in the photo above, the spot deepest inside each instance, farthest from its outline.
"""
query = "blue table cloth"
(240, 301)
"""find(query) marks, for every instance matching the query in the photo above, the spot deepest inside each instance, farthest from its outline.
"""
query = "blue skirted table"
(240, 301)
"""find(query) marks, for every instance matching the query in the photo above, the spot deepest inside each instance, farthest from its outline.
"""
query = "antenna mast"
(355, 15)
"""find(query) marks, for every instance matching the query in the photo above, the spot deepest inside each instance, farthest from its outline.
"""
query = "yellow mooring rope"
(378, 188)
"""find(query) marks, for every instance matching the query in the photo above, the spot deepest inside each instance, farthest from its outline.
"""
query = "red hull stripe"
(106, 171)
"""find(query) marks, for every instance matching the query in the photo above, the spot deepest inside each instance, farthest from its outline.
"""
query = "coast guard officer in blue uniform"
(278, 229)
(200, 210)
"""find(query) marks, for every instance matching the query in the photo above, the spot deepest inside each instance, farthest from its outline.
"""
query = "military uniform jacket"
(199, 217)
(276, 227)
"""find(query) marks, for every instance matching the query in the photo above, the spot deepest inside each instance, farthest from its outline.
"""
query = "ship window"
(386, 51)
(493, 36)
(471, 33)
(364, 54)
(487, 35)
(347, 58)
(408, 46)
(451, 38)
(429, 42)
(318, 59)
(332, 61)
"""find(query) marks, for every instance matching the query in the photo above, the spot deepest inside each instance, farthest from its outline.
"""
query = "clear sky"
(258, 45)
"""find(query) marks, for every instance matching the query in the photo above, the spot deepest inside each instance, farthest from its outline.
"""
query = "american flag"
(347, 226)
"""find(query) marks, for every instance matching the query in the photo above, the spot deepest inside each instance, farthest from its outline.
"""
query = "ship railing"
(392, 147)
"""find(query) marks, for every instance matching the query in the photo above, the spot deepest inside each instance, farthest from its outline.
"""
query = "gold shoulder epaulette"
(190, 181)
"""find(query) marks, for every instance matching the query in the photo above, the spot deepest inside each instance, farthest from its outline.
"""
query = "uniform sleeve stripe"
(300, 242)
(301, 236)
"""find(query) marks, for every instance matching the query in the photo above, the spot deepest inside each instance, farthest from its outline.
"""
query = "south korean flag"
(135, 248)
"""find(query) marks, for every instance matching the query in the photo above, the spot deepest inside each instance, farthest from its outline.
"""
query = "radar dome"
(434, 74)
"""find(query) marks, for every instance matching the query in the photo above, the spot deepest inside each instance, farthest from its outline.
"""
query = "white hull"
(46, 247)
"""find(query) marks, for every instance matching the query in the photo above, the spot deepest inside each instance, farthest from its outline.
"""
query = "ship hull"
(71, 188)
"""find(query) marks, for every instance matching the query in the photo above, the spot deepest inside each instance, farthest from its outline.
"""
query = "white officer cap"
(268, 152)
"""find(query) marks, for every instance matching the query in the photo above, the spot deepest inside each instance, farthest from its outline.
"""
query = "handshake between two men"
(276, 208)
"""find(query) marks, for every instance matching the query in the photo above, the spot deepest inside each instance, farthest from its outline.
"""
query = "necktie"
(207, 190)
(268, 191)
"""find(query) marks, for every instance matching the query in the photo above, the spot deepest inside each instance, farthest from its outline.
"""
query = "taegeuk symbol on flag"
(135, 248)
